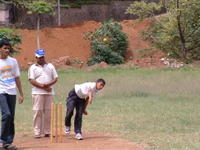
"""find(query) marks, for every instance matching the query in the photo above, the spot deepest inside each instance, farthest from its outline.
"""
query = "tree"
(39, 8)
(143, 9)
(36, 7)
(20, 3)
(176, 32)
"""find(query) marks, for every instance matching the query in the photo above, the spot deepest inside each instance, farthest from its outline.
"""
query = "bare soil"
(68, 41)
(92, 141)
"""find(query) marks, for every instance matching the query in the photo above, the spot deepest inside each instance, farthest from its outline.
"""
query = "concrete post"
(5, 14)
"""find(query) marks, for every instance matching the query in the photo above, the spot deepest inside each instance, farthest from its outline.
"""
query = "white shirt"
(9, 70)
(82, 90)
(42, 74)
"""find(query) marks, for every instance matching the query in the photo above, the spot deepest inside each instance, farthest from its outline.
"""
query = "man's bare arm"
(52, 82)
(19, 87)
(39, 85)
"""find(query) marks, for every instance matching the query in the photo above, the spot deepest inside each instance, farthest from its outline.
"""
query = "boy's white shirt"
(42, 74)
(9, 70)
(82, 90)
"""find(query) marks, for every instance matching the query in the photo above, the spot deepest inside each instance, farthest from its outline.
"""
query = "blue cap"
(40, 52)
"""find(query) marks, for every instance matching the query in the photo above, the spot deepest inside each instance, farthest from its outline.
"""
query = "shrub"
(108, 44)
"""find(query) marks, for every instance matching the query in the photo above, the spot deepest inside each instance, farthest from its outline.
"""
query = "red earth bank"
(68, 41)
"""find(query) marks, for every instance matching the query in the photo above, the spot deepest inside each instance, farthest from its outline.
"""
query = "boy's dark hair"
(4, 42)
(101, 80)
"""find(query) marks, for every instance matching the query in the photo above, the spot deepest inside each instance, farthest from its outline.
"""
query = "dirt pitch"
(92, 141)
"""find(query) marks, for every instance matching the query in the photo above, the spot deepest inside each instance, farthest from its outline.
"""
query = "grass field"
(160, 108)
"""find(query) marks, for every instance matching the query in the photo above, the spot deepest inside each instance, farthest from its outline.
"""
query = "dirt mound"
(68, 41)
(92, 141)
(58, 42)
(139, 53)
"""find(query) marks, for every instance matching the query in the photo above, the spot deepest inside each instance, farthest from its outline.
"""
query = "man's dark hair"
(4, 42)
(101, 80)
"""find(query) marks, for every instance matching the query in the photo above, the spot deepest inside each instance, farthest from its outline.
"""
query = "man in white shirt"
(42, 76)
(9, 80)
(78, 98)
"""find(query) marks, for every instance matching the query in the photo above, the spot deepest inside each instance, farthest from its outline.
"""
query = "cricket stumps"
(56, 123)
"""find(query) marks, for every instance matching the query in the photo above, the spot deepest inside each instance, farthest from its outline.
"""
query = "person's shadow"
(22, 148)
(1, 148)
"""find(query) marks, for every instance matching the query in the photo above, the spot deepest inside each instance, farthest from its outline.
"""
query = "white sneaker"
(79, 136)
(67, 130)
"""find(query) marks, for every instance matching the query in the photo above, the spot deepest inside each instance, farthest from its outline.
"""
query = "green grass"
(160, 108)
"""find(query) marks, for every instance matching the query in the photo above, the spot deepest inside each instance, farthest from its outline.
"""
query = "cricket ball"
(105, 39)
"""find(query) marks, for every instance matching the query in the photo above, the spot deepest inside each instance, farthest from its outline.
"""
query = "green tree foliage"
(23, 3)
(143, 9)
(40, 7)
(10, 35)
(108, 44)
(176, 32)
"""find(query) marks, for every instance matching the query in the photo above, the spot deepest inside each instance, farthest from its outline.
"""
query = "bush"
(108, 44)
(12, 37)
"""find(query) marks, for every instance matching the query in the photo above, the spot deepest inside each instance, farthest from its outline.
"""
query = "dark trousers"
(7, 106)
(73, 101)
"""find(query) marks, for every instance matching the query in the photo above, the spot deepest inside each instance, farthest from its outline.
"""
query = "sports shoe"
(9, 146)
(37, 136)
(79, 136)
(67, 130)
(47, 135)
